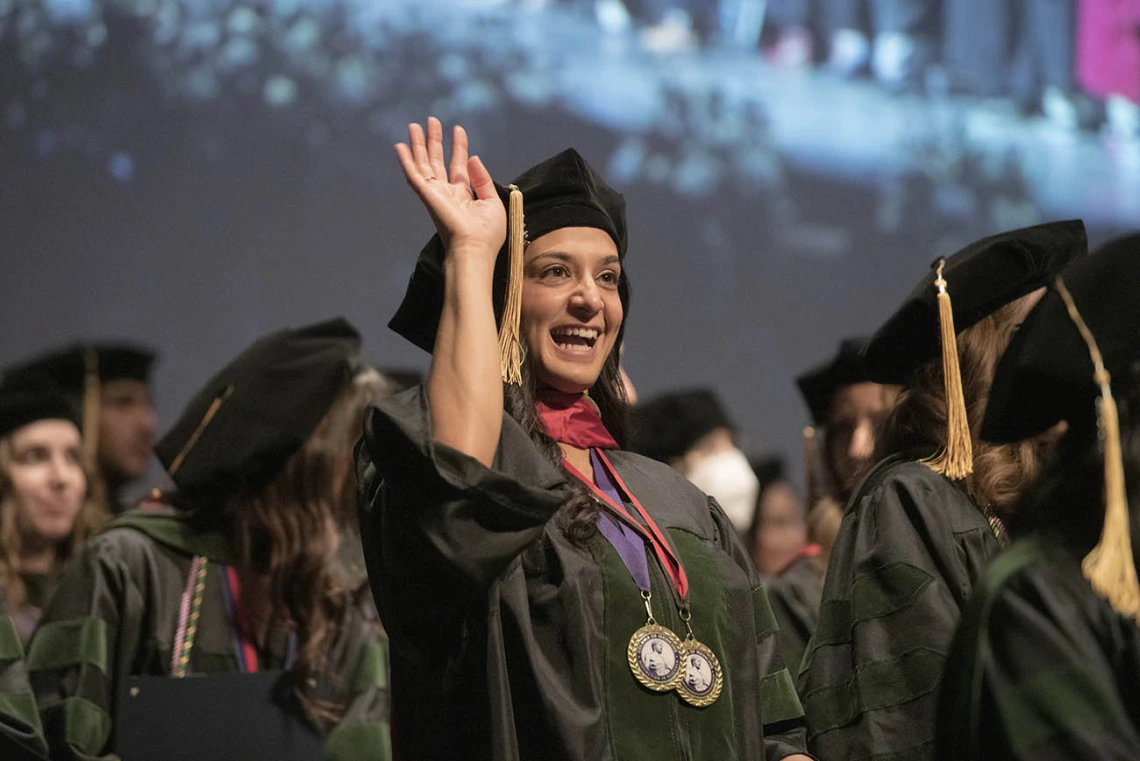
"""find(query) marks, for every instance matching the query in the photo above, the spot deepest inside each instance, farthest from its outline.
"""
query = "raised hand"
(462, 200)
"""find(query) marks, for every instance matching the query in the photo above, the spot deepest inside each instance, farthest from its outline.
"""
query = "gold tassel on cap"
(511, 350)
(211, 411)
(812, 484)
(1110, 567)
(92, 403)
(956, 460)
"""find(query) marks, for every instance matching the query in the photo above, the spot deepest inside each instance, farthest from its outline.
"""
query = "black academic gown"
(21, 735)
(1042, 667)
(795, 594)
(906, 558)
(115, 615)
(509, 641)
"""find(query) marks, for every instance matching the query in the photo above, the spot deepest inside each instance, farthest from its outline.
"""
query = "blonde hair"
(92, 515)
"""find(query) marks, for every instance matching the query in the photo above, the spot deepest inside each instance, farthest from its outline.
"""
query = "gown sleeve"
(364, 733)
(1037, 668)
(901, 571)
(83, 644)
(21, 734)
(780, 709)
(439, 527)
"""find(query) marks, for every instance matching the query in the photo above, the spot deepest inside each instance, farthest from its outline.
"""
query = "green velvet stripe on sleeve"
(86, 726)
(765, 619)
(359, 741)
(1054, 701)
(21, 706)
(62, 644)
(875, 594)
(10, 646)
(372, 668)
(875, 685)
(778, 699)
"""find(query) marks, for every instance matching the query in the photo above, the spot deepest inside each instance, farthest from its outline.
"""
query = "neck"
(38, 558)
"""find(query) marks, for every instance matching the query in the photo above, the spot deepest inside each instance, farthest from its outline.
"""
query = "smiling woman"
(46, 508)
(543, 589)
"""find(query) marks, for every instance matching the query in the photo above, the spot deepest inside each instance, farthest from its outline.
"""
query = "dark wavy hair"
(578, 515)
(289, 529)
(918, 422)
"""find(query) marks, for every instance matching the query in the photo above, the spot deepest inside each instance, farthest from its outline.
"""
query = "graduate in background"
(846, 409)
(235, 573)
(21, 734)
(691, 432)
(111, 383)
(777, 534)
(47, 510)
(928, 517)
(545, 591)
(1046, 662)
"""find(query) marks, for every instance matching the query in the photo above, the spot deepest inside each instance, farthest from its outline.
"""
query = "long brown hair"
(918, 421)
(92, 514)
(578, 515)
(289, 529)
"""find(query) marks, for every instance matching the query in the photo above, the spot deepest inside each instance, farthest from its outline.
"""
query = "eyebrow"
(569, 258)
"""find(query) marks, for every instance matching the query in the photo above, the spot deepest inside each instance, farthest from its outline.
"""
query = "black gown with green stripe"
(116, 613)
(21, 735)
(908, 554)
(509, 640)
(1042, 667)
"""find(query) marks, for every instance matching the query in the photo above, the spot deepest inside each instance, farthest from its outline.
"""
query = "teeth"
(588, 333)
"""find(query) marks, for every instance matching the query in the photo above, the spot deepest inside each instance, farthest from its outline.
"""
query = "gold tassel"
(215, 405)
(1110, 567)
(511, 351)
(811, 466)
(92, 403)
(956, 459)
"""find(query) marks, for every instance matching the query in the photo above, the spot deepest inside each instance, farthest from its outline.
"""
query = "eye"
(556, 271)
(74, 457)
(32, 456)
(609, 277)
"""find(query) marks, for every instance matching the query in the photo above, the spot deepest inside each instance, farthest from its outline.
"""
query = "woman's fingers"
(419, 149)
(412, 172)
(458, 172)
(481, 181)
(435, 149)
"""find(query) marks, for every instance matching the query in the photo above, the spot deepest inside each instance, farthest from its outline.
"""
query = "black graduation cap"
(562, 191)
(82, 368)
(69, 367)
(819, 385)
(26, 397)
(980, 278)
(241, 427)
(669, 425)
(1046, 374)
(1061, 364)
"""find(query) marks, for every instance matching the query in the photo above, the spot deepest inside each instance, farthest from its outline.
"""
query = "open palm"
(461, 199)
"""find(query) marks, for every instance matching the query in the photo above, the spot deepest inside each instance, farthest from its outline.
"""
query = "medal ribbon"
(650, 532)
(242, 631)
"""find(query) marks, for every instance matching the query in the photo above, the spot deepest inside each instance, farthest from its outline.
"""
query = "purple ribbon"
(628, 543)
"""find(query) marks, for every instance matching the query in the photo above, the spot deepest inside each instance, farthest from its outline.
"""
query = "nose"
(587, 298)
(862, 441)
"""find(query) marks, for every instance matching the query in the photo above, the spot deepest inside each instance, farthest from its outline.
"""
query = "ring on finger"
(429, 178)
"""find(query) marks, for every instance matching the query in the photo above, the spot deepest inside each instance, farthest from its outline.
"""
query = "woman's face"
(47, 477)
(571, 311)
(781, 533)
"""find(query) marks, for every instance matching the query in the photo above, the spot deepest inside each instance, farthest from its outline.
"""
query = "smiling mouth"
(575, 339)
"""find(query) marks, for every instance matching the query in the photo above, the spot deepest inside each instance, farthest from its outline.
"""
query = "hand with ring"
(461, 199)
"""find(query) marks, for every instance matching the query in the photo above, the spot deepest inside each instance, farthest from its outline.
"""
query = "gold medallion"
(654, 658)
(702, 677)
